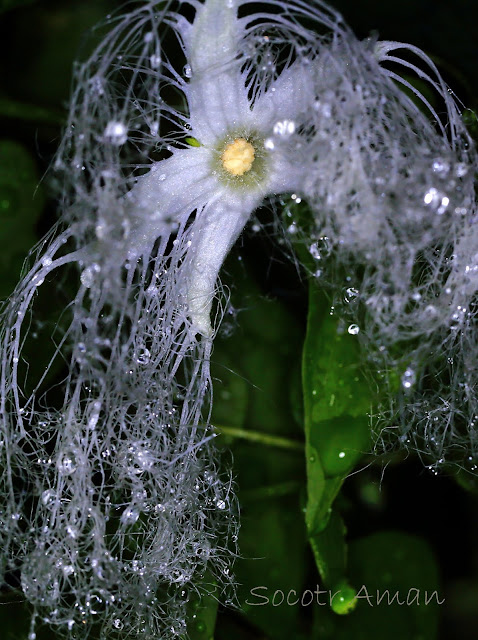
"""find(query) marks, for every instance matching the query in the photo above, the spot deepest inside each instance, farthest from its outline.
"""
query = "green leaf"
(330, 550)
(337, 401)
(203, 613)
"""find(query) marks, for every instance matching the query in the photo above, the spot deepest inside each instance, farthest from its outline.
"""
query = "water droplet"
(155, 61)
(408, 378)
(48, 497)
(118, 624)
(46, 262)
(320, 249)
(457, 317)
(116, 133)
(187, 70)
(350, 294)
(431, 311)
(284, 128)
(221, 504)
(436, 200)
(441, 167)
(129, 516)
(314, 251)
(144, 356)
(67, 463)
(353, 329)
(323, 108)
(269, 144)
(97, 85)
(431, 197)
(461, 170)
(88, 275)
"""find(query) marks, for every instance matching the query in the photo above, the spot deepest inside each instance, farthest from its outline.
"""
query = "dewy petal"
(172, 188)
(215, 231)
(287, 174)
(216, 93)
(288, 97)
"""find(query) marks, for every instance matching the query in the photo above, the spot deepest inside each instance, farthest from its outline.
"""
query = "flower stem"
(262, 438)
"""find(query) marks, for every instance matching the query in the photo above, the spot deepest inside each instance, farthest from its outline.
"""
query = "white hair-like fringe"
(113, 505)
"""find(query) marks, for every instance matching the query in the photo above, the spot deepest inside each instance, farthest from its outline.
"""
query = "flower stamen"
(238, 157)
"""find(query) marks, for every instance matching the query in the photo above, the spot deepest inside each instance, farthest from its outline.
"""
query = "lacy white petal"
(172, 188)
(215, 231)
(288, 97)
(288, 172)
(216, 94)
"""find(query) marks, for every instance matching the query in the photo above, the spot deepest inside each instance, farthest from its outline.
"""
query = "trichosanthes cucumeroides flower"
(186, 118)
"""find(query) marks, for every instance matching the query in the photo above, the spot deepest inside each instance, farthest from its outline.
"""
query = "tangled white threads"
(393, 188)
(183, 120)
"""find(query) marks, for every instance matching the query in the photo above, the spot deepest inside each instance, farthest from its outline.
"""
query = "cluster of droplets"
(113, 510)
(388, 225)
(388, 216)
(125, 505)
(114, 513)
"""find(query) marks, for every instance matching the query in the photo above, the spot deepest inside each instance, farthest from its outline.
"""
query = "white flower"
(173, 140)
(232, 167)
(161, 170)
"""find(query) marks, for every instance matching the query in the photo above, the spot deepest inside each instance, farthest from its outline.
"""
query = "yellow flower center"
(238, 157)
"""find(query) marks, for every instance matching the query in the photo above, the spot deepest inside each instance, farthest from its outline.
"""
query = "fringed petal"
(289, 96)
(170, 191)
(216, 94)
(215, 231)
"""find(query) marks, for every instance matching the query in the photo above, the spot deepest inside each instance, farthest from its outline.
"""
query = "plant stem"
(262, 438)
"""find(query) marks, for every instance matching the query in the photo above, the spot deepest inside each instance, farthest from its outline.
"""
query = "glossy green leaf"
(330, 550)
(202, 616)
(337, 401)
